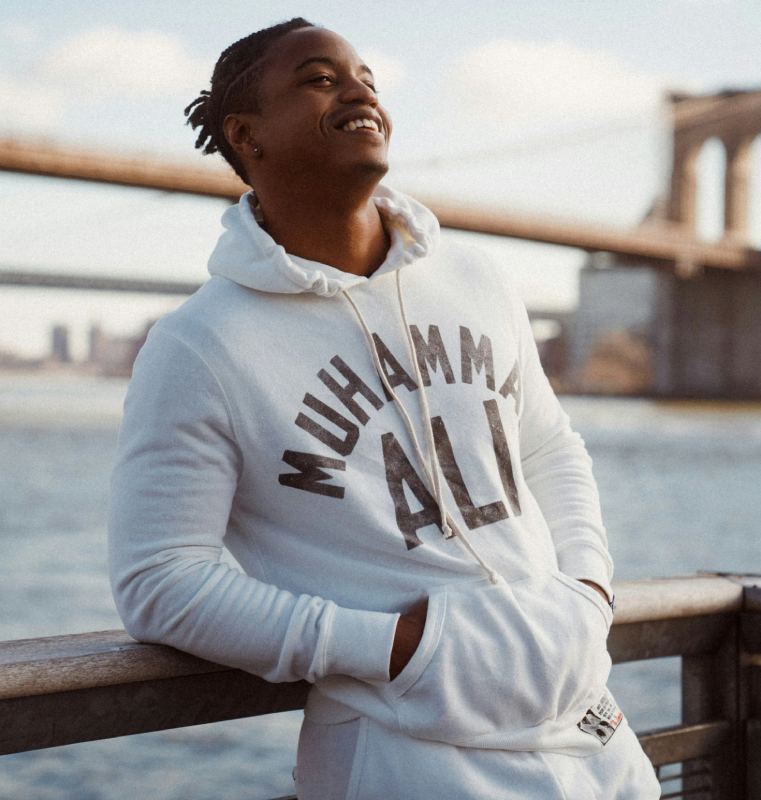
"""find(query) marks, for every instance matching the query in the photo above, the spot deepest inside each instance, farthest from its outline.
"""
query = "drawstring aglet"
(447, 531)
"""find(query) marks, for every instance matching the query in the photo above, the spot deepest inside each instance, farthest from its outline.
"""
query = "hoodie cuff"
(360, 644)
(584, 562)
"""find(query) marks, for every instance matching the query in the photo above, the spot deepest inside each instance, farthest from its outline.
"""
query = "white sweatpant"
(362, 760)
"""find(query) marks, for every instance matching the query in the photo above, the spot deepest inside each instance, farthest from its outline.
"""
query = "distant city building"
(109, 355)
(60, 344)
(113, 355)
(552, 334)
(13, 361)
(614, 329)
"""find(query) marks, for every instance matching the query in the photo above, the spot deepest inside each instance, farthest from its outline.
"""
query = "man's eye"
(321, 78)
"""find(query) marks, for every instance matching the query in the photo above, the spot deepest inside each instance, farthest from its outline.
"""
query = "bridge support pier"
(703, 334)
(707, 336)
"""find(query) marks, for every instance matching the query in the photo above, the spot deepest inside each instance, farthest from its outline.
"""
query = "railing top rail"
(83, 661)
(671, 598)
(87, 660)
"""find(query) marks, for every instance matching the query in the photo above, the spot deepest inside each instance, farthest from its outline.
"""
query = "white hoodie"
(256, 419)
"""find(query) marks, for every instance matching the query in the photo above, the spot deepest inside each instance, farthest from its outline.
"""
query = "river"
(679, 485)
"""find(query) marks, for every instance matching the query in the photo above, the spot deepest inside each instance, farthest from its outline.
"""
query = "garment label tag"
(602, 719)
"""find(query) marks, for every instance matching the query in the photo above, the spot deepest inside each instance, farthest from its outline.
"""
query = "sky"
(553, 107)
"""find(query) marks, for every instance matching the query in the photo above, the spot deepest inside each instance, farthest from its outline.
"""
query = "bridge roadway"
(663, 243)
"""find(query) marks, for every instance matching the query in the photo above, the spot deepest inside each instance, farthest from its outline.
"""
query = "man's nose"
(356, 90)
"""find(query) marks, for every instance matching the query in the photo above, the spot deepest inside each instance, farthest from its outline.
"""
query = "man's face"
(314, 97)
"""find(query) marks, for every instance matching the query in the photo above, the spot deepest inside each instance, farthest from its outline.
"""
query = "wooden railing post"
(709, 693)
(750, 690)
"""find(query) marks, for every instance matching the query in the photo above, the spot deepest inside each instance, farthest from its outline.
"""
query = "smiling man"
(356, 410)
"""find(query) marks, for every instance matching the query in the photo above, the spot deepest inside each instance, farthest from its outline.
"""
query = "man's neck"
(342, 231)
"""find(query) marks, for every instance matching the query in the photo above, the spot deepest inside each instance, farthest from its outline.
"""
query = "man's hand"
(409, 632)
(599, 591)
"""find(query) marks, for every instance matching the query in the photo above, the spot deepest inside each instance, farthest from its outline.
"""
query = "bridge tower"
(687, 331)
(734, 118)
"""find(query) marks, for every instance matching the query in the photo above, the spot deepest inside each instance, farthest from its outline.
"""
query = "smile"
(361, 123)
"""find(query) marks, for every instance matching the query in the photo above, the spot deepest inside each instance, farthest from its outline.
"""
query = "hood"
(248, 255)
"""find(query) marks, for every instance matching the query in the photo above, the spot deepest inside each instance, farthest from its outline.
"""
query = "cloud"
(21, 33)
(505, 80)
(26, 104)
(105, 62)
(387, 70)
(94, 66)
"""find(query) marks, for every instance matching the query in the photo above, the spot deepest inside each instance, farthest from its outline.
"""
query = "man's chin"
(350, 170)
(378, 168)
(371, 165)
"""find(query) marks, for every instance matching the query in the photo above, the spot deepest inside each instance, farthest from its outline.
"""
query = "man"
(357, 411)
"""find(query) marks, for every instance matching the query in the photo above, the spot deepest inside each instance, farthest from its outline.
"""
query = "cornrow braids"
(234, 83)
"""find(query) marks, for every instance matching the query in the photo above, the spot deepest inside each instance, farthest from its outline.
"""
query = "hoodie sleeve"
(172, 491)
(558, 469)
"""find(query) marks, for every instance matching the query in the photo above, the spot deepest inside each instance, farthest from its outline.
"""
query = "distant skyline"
(547, 107)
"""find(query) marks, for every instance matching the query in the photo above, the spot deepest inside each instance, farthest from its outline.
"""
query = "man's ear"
(239, 132)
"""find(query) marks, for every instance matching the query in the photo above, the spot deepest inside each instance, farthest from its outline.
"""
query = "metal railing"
(67, 689)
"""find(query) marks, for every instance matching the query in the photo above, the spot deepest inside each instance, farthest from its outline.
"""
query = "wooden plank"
(51, 720)
(670, 745)
(685, 636)
(87, 660)
(668, 598)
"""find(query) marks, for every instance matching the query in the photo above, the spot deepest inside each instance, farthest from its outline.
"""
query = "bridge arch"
(710, 182)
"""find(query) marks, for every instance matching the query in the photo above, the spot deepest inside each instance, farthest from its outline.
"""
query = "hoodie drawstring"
(431, 466)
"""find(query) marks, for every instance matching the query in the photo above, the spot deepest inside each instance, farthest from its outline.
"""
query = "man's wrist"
(409, 632)
(611, 601)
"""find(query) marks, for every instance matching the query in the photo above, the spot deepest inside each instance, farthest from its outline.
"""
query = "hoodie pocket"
(503, 658)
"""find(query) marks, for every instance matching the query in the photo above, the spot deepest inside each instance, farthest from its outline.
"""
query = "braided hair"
(234, 83)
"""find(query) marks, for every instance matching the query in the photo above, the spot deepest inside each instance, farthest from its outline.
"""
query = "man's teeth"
(361, 123)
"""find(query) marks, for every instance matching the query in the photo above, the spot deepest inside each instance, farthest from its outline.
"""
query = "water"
(679, 488)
